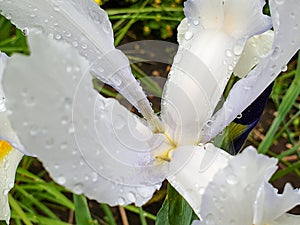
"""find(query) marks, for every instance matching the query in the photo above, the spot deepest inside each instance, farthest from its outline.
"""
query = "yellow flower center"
(5, 148)
(167, 155)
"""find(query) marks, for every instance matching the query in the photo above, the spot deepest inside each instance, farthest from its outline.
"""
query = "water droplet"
(284, 68)
(276, 52)
(56, 166)
(25, 31)
(8, 16)
(196, 22)
(69, 69)
(229, 53)
(75, 44)
(292, 15)
(83, 46)
(131, 196)
(145, 192)
(30, 101)
(188, 35)
(296, 26)
(56, 8)
(94, 176)
(71, 129)
(68, 34)
(61, 180)
(121, 201)
(57, 36)
(49, 143)
(63, 146)
(210, 219)
(231, 179)
(238, 49)
(230, 68)
(33, 131)
(78, 188)
(171, 72)
(239, 116)
(208, 123)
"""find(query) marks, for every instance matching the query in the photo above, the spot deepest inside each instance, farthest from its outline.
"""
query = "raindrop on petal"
(231, 179)
(61, 180)
(78, 189)
(188, 35)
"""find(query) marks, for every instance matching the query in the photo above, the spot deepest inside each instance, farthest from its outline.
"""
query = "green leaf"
(175, 210)
(82, 212)
(284, 108)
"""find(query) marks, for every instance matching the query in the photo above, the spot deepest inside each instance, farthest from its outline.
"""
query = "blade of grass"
(109, 215)
(142, 216)
(134, 209)
(37, 203)
(285, 106)
(285, 171)
(16, 207)
(82, 212)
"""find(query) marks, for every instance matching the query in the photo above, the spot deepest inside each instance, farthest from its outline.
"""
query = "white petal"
(203, 64)
(3, 60)
(186, 100)
(8, 166)
(236, 17)
(209, 14)
(89, 144)
(257, 46)
(286, 19)
(6, 132)
(269, 205)
(287, 219)
(245, 18)
(193, 177)
(86, 27)
(230, 197)
(196, 222)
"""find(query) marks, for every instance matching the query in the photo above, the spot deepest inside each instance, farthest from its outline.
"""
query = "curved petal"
(287, 219)
(270, 205)
(241, 194)
(257, 46)
(236, 17)
(9, 160)
(9, 157)
(196, 173)
(286, 44)
(245, 18)
(3, 60)
(203, 64)
(86, 27)
(88, 143)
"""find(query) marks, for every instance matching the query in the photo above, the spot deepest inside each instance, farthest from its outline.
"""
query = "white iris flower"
(93, 145)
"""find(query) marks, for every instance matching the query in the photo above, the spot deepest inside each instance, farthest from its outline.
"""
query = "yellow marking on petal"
(5, 148)
(166, 156)
(170, 140)
(99, 2)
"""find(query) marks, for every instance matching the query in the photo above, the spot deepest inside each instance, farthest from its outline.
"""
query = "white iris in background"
(93, 145)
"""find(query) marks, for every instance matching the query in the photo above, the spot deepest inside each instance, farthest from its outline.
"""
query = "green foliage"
(82, 212)
(12, 40)
(175, 210)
